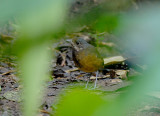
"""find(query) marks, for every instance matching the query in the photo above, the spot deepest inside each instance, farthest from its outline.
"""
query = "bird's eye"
(77, 42)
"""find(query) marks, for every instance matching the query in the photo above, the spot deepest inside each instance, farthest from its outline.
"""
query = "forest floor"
(112, 80)
(65, 77)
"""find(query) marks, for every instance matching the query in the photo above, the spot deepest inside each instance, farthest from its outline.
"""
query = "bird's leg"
(87, 82)
(95, 80)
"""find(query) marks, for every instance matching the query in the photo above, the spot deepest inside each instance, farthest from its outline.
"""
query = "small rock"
(3, 70)
(12, 95)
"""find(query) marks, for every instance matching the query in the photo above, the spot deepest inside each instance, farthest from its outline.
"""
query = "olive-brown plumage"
(86, 56)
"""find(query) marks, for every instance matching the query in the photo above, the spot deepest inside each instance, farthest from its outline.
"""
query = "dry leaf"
(113, 60)
(122, 73)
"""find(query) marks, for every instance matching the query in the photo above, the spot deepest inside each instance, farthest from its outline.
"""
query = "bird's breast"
(89, 61)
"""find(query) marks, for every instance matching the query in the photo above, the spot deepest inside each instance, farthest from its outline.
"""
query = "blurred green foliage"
(79, 102)
(41, 21)
(36, 20)
(107, 22)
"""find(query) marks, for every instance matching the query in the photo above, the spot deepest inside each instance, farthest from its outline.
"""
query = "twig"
(10, 71)
(44, 111)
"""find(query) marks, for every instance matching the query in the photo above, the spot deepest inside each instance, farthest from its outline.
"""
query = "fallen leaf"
(113, 60)
(122, 73)
(71, 70)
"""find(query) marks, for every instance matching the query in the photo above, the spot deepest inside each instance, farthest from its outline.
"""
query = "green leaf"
(79, 102)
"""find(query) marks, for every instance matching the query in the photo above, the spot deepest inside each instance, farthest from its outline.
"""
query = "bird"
(86, 57)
